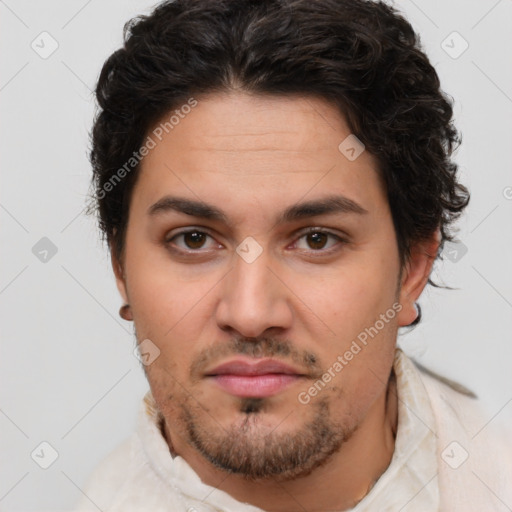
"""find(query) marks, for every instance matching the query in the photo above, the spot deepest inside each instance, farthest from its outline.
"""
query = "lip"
(248, 367)
(245, 378)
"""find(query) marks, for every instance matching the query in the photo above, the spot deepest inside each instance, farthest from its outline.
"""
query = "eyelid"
(341, 239)
(204, 231)
(184, 231)
(313, 229)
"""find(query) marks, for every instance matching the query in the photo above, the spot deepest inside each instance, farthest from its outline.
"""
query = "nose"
(254, 299)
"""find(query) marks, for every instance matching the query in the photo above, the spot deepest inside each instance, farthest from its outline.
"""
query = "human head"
(311, 74)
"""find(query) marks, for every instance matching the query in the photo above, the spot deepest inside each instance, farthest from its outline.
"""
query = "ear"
(119, 275)
(415, 276)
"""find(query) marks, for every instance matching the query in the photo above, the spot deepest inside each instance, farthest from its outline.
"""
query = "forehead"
(258, 123)
(261, 148)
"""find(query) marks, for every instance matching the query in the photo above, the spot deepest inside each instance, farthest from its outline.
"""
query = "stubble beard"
(246, 450)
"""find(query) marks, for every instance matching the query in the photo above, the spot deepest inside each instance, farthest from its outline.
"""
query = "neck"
(339, 484)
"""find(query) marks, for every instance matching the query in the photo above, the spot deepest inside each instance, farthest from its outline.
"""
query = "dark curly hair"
(360, 55)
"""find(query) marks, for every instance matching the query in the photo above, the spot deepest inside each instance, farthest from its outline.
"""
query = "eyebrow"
(333, 204)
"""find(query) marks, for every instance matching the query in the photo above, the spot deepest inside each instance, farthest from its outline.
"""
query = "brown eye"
(194, 239)
(190, 241)
(317, 240)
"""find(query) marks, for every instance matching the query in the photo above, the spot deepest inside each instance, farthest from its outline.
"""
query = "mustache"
(258, 348)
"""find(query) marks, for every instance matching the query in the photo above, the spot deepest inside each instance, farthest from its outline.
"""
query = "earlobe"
(125, 312)
(408, 314)
(415, 277)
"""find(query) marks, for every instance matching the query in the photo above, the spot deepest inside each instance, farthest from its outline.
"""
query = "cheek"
(351, 303)
(163, 300)
(171, 312)
(353, 298)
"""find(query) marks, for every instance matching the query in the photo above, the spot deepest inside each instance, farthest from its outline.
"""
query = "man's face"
(254, 287)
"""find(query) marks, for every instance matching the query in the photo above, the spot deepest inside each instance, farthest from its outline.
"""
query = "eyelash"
(318, 252)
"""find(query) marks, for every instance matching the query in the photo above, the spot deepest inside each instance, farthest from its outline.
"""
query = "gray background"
(68, 373)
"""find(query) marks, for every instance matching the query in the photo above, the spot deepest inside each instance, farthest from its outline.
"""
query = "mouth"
(246, 378)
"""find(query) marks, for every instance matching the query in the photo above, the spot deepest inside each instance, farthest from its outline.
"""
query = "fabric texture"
(448, 457)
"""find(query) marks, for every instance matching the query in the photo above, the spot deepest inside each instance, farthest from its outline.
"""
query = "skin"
(252, 157)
